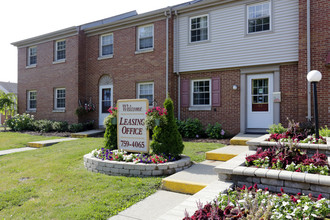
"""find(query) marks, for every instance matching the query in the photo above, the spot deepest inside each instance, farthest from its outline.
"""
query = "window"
(60, 47)
(60, 98)
(146, 91)
(201, 92)
(146, 37)
(258, 17)
(32, 56)
(106, 99)
(32, 100)
(199, 28)
(106, 45)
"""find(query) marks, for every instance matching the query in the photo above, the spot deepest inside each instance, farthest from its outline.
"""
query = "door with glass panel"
(259, 101)
(106, 101)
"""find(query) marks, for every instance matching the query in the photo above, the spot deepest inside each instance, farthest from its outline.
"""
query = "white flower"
(305, 208)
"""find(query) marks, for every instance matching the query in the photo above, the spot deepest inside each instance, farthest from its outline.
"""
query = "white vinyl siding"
(230, 46)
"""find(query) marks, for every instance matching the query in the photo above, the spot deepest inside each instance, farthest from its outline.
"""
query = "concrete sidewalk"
(15, 150)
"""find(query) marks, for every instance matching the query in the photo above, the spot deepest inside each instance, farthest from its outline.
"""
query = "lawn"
(52, 183)
(10, 140)
(196, 151)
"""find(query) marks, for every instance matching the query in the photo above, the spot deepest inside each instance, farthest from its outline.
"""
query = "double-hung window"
(32, 100)
(259, 17)
(199, 28)
(106, 45)
(32, 56)
(59, 98)
(201, 92)
(146, 91)
(146, 37)
(60, 48)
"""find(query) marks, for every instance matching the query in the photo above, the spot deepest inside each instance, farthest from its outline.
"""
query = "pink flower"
(319, 197)
(282, 190)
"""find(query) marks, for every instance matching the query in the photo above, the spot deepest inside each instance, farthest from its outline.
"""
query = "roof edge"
(46, 37)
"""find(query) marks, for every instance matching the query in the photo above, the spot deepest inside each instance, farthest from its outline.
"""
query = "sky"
(22, 19)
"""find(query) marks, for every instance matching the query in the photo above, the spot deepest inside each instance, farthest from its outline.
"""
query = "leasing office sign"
(131, 132)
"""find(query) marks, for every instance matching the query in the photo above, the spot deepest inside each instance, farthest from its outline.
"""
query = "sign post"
(131, 132)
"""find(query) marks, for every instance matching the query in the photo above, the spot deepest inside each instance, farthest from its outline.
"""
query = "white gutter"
(309, 106)
(167, 49)
(176, 39)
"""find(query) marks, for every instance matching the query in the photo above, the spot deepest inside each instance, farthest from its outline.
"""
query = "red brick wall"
(320, 47)
(228, 114)
(289, 93)
(47, 76)
(127, 68)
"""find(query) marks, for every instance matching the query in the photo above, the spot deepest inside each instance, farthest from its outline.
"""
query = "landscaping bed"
(255, 203)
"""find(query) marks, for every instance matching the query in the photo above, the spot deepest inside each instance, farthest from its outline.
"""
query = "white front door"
(106, 101)
(259, 101)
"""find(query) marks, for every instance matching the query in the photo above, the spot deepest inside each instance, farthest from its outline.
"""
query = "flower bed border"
(292, 182)
(120, 168)
(311, 148)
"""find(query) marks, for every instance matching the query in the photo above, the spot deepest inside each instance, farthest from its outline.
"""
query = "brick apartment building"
(242, 63)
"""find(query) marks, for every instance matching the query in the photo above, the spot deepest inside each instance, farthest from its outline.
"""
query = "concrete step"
(39, 144)
(241, 139)
(193, 179)
(90, 133)
(226, 153)
(208, 194)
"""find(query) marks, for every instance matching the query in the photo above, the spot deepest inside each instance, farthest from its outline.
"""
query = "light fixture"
(235, 87)
(314, 77)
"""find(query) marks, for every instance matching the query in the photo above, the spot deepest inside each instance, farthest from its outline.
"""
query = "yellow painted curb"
(79, 135)
(238, 141)
(35, 145)
(219, 156)
(182, 186)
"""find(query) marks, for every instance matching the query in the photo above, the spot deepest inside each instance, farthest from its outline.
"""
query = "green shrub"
(110, 135)
(60, 126)
(166, 138)
(215, 131)
(76, 127)
(276, 129)
(42, 125)
(193, 128)
(180, 124)
(88, 125)
(20, 122)
(324, 132)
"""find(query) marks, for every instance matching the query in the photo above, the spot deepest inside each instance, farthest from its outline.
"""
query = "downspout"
(176, 38)
(167, 49)
(309, 106)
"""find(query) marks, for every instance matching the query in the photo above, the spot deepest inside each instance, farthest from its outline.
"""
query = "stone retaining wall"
(291, 182)
(118, 168)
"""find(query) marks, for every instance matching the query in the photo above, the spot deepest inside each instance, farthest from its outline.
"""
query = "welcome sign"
(131, 133)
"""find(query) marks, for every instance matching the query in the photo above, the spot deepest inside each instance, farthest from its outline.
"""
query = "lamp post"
(314, 77)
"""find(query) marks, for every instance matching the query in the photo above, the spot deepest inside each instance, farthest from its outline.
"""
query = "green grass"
(52, 183)
(10, 140)
(196, 151)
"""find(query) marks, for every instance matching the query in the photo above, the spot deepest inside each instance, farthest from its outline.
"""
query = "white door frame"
(102, 116)
(260, 119)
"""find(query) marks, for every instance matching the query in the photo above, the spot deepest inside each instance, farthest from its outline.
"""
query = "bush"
(60, 126)
(180, 124)
(215, 131)
(166, 138)
(76, 127)
(110, 134)
(325, 132)
(193, 128)
(276, 129)
(42, 125)
(20, 122)
(88, 125)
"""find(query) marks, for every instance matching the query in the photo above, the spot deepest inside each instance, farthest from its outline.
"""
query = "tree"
(166, 138)
(7, 105)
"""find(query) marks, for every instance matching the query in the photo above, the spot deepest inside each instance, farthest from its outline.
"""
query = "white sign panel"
(132, 134)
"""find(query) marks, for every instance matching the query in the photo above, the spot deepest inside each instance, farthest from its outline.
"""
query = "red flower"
(320, 197)
(282, 190)
(250, 188)
(266, 189)
(255, 186)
